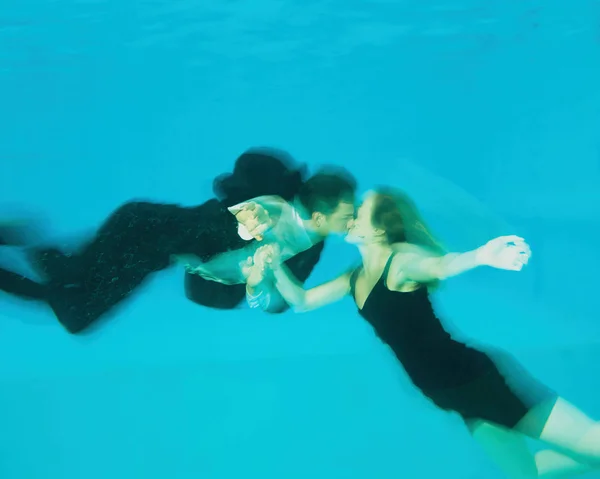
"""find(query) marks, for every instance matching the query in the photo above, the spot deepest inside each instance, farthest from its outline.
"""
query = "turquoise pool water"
(487, 112)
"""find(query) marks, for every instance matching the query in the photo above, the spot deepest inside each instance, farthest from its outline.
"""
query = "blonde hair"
(397, 215)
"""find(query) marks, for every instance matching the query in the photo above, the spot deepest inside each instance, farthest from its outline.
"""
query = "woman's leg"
(508, 449)
(569, 430)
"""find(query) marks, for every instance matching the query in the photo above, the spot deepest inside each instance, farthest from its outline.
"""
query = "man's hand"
(254, 218)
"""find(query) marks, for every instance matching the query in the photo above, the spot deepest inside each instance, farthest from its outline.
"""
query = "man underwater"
(142, 238)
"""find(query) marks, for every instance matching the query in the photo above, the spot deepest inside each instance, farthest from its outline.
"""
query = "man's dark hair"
(325, 190)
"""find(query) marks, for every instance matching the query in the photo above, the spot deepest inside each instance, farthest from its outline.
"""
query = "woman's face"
(361, 229)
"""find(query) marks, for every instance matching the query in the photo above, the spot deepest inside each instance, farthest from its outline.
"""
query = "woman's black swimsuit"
(453, 375)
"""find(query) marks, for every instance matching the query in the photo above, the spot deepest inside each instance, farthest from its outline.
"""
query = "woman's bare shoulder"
(407, 248)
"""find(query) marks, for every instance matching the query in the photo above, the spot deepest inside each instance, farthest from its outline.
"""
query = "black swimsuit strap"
(353, 278)
(386, 270)
(358, 269)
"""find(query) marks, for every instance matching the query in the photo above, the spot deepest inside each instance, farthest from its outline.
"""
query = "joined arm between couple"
(393, 239)
(272, 220)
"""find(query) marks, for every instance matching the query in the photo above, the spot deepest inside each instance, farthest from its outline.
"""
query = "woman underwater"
(400, 262)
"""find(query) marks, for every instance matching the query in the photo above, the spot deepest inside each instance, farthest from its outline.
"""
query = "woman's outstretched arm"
(267, 262)
(305, 300)
(417, 264)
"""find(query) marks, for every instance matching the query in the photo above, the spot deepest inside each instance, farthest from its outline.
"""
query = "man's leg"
(14, 234)
(136, 241)
(22, 287)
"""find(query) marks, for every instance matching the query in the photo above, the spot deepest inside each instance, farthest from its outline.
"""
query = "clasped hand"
(256, 267)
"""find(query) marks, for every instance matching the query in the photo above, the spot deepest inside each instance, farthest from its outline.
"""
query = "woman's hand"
(254, 269)
(268, 255)
(253, 272)
(505, 252)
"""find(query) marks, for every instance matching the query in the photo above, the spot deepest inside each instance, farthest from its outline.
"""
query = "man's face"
(339, 220)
